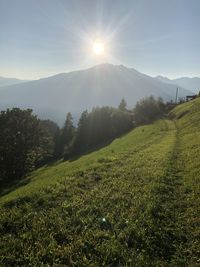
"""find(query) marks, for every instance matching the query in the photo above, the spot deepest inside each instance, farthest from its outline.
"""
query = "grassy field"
(133, 203)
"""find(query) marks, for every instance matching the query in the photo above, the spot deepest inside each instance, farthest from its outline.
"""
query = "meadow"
(134, 202)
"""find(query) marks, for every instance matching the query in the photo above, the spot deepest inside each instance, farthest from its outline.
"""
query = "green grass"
(132, 203)
(120, 148)
(188, 166)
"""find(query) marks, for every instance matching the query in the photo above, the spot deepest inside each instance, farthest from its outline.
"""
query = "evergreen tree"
(67, 134)
(100, 126)
(123, 105)
(58, 146)
(68, 130)
(82, 134)
(64, 137)
(51, 126)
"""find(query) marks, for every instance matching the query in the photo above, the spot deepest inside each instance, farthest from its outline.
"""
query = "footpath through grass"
(133, 203)
(187, 118)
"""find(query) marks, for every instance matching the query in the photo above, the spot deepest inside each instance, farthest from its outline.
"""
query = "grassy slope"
(188, 169)
(133, 203)
(121, 148)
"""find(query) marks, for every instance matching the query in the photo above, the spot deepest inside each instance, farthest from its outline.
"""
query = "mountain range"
(104, 84)
(192, 84)
(9, 81)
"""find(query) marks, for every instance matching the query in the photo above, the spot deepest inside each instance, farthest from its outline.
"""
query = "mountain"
(9, 81)
(192, 84)
(103, 84)
(164, 79)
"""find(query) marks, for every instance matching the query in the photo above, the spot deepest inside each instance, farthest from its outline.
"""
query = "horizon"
(42, 39)
(106, 63)
(99, 132)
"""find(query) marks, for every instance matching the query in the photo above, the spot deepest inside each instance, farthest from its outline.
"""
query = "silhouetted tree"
(99, 126)
(24, 143)
(58, 145)
(147, 110)
(123, 105)
(122, 121)
(51, 126)
(68, 129)
(64, 137)
(81, 138)
(67, 134)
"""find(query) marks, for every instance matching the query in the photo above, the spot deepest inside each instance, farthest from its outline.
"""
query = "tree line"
(27, 142)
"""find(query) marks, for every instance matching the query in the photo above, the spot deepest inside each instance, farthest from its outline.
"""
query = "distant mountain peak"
(192, 84)
(5, 81)
(162, 77)
(101, 85)
(102, 65)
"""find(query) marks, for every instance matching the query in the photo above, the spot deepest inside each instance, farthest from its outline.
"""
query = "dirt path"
(166, 236)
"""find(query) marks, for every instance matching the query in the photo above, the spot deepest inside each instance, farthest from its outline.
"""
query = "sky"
(40, 38)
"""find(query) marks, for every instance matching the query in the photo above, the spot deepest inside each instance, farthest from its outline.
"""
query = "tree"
(147, 110)
(81, 138)
(24, 143)
(55, 133)
(68, 130)
(122, 122)
(100, 126)
(63, 138)
(58, 146)
(123, 105)
(51, 126)
(67, 134)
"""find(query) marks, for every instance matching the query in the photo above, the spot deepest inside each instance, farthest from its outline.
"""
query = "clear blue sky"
(40, 38)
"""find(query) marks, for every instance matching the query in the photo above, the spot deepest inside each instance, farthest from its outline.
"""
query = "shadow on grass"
(86, 152)
(96, 148)
(8, 187)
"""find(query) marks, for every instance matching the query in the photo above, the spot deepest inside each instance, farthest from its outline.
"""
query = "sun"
(98, 48)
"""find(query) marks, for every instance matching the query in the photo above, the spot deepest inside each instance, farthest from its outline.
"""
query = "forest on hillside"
(27, 142)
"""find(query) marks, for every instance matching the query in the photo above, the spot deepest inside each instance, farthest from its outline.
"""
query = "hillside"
(132, 203)
(76, 91)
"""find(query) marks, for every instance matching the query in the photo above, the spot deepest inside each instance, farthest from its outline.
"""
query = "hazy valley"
(102, 85)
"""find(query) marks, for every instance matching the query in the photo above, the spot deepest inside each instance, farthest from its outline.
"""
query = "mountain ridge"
(4, 81)
(102, 85)
(190, 83)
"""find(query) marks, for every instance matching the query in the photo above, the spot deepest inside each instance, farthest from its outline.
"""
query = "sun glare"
(98, 48)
